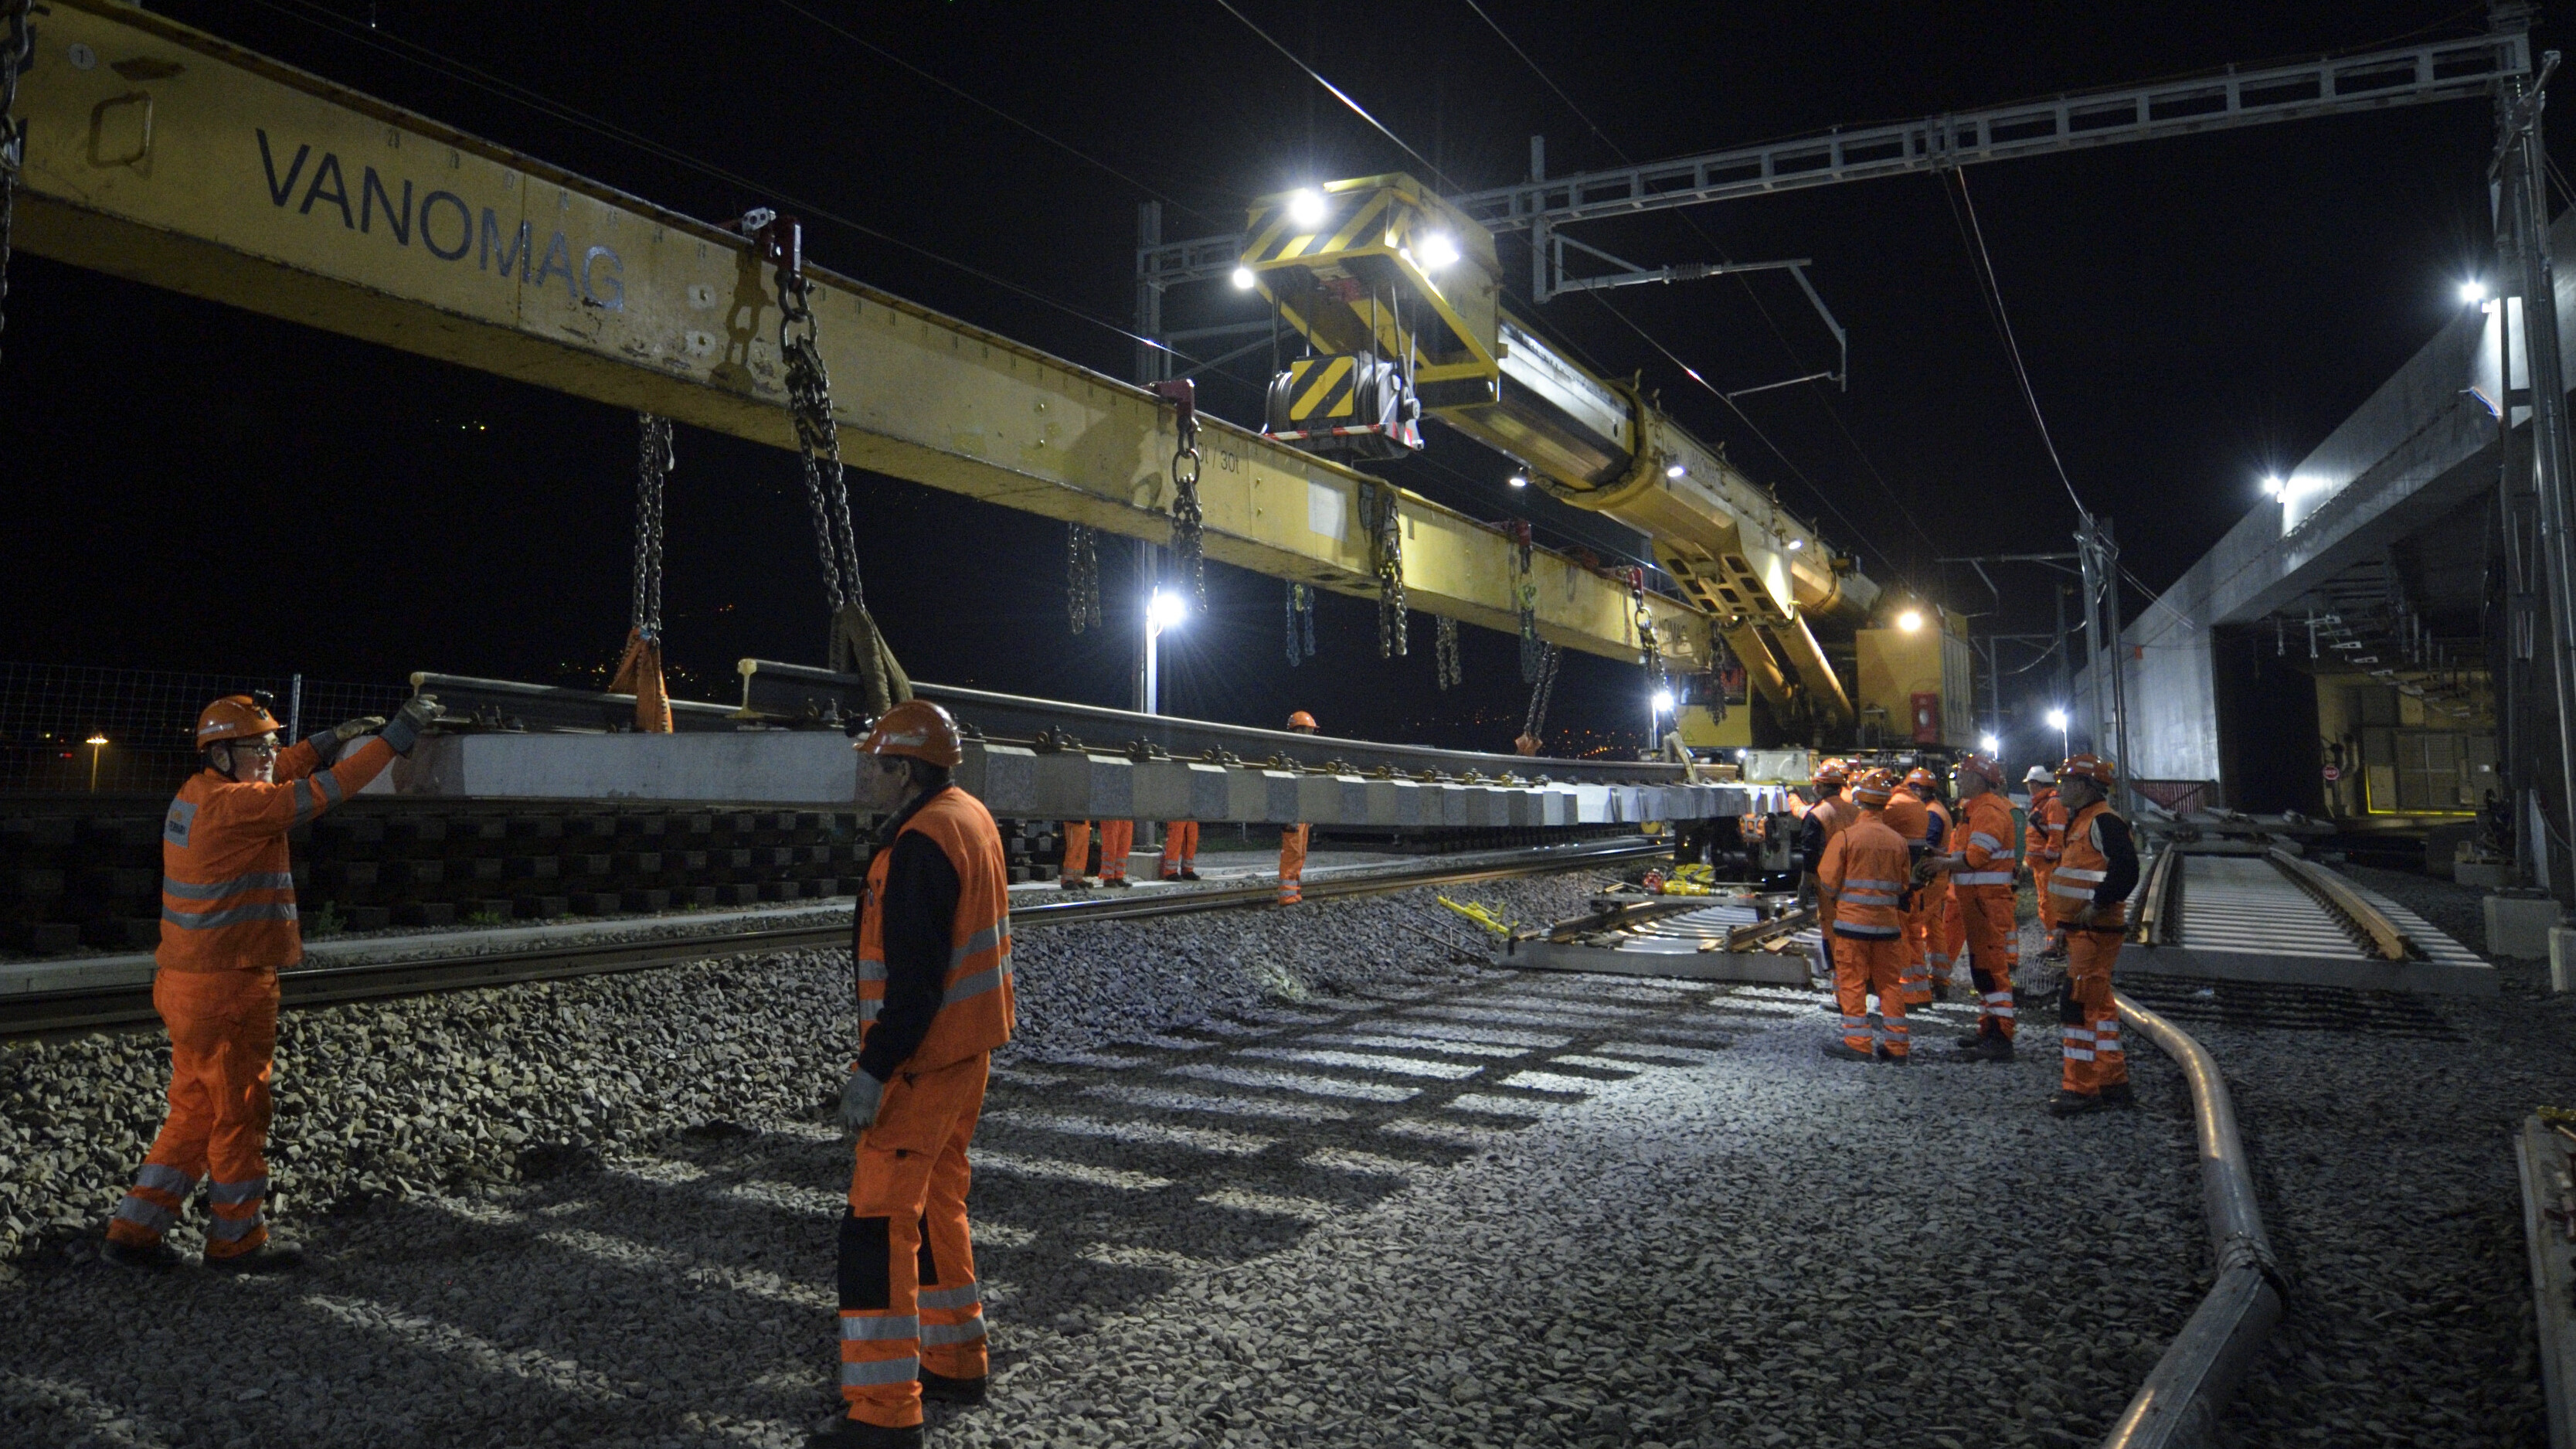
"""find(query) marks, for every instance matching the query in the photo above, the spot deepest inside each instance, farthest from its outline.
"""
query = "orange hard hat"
(1302, 721)
(916, 728)
(2100, 771)
(1984, 767)
(1919, 778)
(233, 717)
(1875, 788)
(1832, 772)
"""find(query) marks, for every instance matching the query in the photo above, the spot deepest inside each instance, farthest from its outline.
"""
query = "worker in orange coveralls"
(228, 925)
(933, 968)
(1865, 876)
(1911, 818)
(1117, 838)
(1927, 925)
(1980, 864)
(1292, 839)
(2043, 841)
(1180, 850)
(2091, 886)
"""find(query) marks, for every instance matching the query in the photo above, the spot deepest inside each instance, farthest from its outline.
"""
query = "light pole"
(1165, 610)
(2057, 722)
(96, 743)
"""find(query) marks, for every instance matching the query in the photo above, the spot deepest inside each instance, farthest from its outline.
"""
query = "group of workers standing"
(1907, 883)
(1180, 858)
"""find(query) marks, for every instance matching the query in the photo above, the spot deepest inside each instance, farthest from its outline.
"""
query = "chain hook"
(1188, 535)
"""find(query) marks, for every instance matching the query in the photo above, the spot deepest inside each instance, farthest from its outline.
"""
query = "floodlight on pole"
(1990, 744)
(96, 743)
(2057, 721)
(1163, 610)
(2272, 485)
(1663, 701)
(2472, 292)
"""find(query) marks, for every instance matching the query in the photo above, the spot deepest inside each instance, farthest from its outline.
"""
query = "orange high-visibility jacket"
(1912, 821)
(2047, 838)
(1987, 847)
(977, 1008)
(227, 889)
(1863, 875)
(2083, 869)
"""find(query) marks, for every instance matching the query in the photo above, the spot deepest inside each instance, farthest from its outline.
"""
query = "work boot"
(266, 1258)
(1890, 1058)
(1189, 875)
(1845, 1052)
(1116, 883)
(1940, 989)
(1985, 1049)
(2119, 1094)
(1073, 883)
(855, 1434)
(939, 1388)
(158, 1258)
(2074, 1104)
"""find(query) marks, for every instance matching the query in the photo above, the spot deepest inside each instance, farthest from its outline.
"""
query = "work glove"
(861, 1095)
(403, 730)
(349, 729)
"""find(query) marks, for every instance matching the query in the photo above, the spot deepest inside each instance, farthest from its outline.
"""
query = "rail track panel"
(1423, 1204)
(2290, 922)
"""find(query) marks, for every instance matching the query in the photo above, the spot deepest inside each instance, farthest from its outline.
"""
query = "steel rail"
(2338, 895)
(46, 1013)
(2180, 1401)
(2155, 925)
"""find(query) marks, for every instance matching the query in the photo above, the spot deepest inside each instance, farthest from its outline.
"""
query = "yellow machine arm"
(159, 153)
(1381, 267)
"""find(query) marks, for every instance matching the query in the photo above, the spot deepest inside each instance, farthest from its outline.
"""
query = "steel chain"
(1539, 692)
(17, 46)
(1081, 576)
(1444, 641)
(1650, 654)
(1187, 543)
(653, 464)
(1301, 611)
(1394, 630)
(818, 441)
(1525, 598)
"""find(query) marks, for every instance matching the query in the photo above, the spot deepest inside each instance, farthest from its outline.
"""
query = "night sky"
(213, 490)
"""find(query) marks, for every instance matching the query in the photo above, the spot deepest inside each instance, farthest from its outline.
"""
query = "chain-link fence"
(71, 728)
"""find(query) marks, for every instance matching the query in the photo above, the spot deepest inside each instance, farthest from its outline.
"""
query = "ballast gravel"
(1253, 1178)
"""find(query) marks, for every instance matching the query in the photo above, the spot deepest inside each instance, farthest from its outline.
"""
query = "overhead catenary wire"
(1773, 323)
(1338, 94)
(1964, 207)
(1067, 147)
(434, 60)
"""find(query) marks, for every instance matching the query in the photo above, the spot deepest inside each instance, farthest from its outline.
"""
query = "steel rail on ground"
(2180, 1402)
(52, 1012)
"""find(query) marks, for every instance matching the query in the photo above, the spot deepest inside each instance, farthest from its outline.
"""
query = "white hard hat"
(2039, 776)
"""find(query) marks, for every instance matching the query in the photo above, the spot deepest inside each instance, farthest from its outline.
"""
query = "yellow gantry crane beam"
(163, 154)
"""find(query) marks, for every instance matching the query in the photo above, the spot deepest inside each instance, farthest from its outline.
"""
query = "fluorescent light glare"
(1796, 544)
(1675, 471)
(1518, 480)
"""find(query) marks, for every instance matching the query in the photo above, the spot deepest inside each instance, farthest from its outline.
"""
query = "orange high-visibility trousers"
(2090, 1022)
(1954, 922)
(223, 1037)
(1180, 848)
(1077, 849)
(1865, 965)
(1927, 942)
(909, 1296)
(1292, 865)
(1994, 951)
(1117, 840)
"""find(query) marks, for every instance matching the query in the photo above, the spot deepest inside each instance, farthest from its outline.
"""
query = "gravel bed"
(1257, 1178)
(2382, 1149)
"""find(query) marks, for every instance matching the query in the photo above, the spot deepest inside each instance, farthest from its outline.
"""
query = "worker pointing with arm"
(228, 926)
(933, 967)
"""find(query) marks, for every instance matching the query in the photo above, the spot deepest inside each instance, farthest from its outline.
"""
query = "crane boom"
(163, 154)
